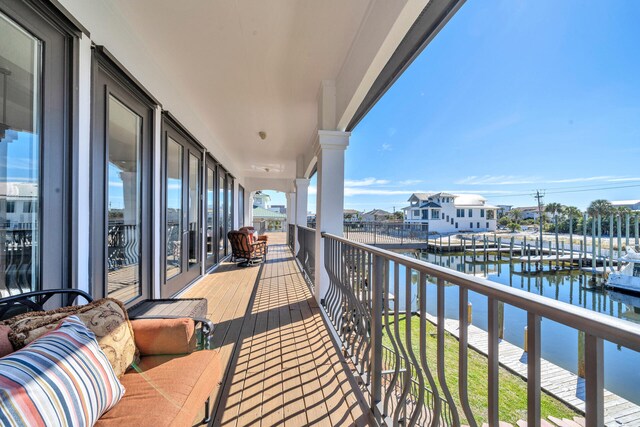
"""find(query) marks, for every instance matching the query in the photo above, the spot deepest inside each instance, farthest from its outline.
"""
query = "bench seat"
(167, 391)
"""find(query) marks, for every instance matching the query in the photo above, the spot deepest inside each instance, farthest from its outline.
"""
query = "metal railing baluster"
(463, 357)
(418, 405)
(401, 407)
(442, 379)
(422, 295)
(376, 334)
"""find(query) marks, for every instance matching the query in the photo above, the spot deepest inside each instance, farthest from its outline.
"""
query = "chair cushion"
(106, 318)
(166, 390)
(60, 379)
(5, 345)
(164, 336)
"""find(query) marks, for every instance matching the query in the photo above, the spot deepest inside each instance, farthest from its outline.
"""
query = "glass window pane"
(20, 116)
(229, 209)
(194, 214)
(174, 208)
(222, 235)
(210, 211)
(123, 201)
(241, 207)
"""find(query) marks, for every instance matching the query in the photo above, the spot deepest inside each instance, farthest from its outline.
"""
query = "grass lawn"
(513, 389)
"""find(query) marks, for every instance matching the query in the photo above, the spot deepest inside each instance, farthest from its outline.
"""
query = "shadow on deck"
(281, 366)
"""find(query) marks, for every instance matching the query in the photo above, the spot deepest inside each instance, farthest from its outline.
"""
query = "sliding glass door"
(222, 214)
(211, 234)
(121, 254)
(34, 105)
(182, 214)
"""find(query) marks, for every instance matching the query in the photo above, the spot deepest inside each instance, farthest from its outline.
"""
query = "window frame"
(59, 35)
(110, 78)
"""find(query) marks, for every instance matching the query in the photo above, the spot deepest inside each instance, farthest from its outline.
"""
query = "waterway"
(559, 342)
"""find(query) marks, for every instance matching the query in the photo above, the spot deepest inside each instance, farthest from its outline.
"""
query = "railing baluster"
(422, 295)
(463, 357)
(492, 360)
(413, 368)
(441, 358)
(406, 382)
(594, 387)
(533, 370)
(376, 333)
(396, 368)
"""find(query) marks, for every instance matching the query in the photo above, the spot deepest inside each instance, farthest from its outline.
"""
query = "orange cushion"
(5, 345)
(164, 336)
(166, 391)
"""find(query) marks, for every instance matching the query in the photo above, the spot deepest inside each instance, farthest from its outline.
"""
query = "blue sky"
(510, 97)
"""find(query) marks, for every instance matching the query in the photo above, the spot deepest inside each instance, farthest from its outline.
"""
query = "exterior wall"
(448, 213)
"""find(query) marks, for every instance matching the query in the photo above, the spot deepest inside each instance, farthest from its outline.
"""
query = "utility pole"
(539, 197)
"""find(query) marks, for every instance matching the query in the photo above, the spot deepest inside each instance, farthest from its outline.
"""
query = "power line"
(580, 190)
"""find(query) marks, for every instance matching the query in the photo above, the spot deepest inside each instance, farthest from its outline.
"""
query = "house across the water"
(450, 213)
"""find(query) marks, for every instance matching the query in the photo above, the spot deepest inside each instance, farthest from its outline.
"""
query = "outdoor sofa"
(164, 365)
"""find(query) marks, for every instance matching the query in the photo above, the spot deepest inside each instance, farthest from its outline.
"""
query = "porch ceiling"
(230, 69)
(248, 66)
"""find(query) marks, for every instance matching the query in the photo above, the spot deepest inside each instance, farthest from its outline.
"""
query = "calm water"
(559, 343)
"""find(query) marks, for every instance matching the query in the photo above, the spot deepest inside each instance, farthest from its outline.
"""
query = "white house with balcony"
(451, 213)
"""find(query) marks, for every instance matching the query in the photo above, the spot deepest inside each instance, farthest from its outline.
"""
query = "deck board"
(282, 367)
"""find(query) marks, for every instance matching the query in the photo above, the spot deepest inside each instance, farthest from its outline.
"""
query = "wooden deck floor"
(281, 366)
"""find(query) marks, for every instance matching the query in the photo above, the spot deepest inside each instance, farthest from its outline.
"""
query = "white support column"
(330, 198)
(302, 192)
(291, 208)
(248, 208)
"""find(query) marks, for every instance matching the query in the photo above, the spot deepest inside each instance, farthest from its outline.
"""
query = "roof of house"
(528, 208)
(430, 205)
(266, 213)
(377, 212)
(443, 194)
(351, 211)
(421, 196)
(624, 202)
(477, 206)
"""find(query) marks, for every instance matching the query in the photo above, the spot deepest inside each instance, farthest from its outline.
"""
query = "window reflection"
(20, 77)
(210, 211)
(194, 212)
(174, 208)
(123, 201)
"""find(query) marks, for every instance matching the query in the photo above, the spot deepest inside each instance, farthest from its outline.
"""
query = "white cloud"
(606, 178)
(521, 180)
(365, 182)
(497, 180)
(358, 191)
(386, 147)
(410, 182)
(624, 179)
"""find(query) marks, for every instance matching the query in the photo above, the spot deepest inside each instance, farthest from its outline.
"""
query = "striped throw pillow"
(60, 379)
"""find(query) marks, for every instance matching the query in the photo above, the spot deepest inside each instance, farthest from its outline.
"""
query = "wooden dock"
(556, 381)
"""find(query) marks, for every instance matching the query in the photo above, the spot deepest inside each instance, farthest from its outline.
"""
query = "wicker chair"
(251, 230)
(244, 251)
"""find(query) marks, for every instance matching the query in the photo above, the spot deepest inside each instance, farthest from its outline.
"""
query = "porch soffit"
(228, 70)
